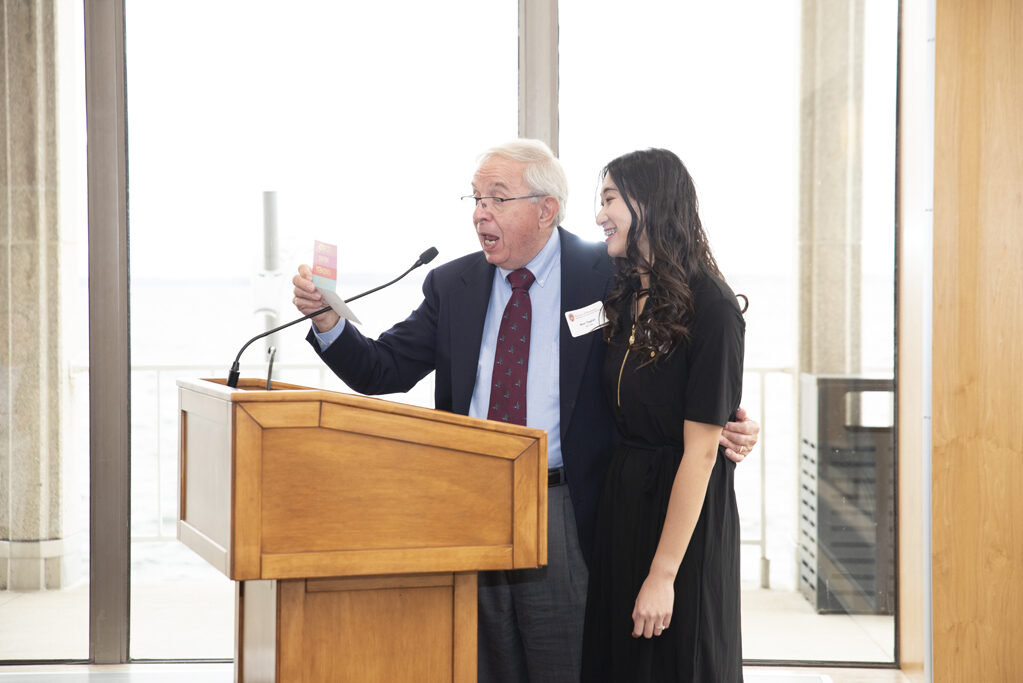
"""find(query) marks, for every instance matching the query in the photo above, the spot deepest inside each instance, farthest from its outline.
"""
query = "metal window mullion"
(538, 71)
(109, 359)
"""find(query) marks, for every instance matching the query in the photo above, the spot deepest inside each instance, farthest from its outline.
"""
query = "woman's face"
(615, 219)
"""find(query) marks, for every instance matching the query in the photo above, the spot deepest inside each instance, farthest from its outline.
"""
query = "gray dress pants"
(531, 620)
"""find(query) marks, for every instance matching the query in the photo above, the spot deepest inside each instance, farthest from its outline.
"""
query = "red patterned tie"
(511, 356)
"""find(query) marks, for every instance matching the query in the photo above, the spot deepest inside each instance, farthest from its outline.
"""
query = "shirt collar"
(543, 263)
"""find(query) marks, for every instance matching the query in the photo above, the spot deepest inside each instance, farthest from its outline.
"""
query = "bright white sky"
(366, 118)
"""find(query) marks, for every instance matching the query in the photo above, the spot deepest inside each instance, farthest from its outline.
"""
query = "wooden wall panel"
(977, 488)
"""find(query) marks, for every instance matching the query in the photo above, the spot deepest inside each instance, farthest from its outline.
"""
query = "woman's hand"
(652, 613)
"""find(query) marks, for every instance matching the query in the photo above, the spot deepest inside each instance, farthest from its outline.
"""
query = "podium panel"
(355, 526)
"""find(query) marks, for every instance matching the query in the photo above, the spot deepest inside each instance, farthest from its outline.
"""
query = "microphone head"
(428, 255)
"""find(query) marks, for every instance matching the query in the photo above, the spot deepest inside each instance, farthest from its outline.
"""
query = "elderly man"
(530, 274)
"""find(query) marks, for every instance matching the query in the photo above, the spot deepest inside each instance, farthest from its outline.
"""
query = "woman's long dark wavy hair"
(658, 183)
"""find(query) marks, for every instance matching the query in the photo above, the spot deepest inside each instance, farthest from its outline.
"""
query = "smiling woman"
(784, 112)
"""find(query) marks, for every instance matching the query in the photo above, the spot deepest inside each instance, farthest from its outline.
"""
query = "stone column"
(34, 383)
(831, 168)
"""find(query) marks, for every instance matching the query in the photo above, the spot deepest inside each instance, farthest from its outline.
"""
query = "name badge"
(584, 320)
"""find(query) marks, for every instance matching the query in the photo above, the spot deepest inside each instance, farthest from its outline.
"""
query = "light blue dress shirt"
(543, 378)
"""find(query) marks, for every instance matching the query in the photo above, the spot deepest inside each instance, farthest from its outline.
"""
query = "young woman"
(663, 600)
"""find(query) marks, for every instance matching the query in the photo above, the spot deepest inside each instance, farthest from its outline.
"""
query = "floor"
(781, 625)
(777, 625)
(770, 620)
(222, 673)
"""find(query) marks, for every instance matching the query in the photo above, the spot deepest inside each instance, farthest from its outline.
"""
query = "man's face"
(511, 233)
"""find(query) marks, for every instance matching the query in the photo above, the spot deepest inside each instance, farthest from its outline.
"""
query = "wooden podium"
(354, 527)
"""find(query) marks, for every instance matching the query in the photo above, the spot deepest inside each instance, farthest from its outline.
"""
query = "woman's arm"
(657, 595)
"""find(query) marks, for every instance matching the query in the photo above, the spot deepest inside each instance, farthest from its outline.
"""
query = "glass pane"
(784, 113)
(44, 353)
(256, 128)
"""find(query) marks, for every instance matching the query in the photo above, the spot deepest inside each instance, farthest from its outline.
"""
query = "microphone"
(234, 374)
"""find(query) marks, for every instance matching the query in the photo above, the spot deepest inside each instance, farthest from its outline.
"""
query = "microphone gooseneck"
(234, 374)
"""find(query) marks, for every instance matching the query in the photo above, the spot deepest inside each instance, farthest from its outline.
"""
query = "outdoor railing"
(154, 433)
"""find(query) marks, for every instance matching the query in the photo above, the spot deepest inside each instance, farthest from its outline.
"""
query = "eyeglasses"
(497, 203)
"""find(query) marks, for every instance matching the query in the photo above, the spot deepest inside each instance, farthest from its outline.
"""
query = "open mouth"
(610, 231)
(488, 240)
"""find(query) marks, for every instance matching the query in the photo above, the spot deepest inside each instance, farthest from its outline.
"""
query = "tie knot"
(521, 279)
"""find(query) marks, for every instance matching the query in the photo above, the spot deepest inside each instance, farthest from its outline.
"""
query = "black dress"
(700, 381)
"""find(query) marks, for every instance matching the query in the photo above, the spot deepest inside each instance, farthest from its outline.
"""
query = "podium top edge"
(253, 390)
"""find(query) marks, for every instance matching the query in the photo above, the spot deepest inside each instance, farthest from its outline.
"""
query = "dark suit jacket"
(444, 334)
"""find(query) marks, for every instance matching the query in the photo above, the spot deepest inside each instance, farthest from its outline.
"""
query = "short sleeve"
(715, 356)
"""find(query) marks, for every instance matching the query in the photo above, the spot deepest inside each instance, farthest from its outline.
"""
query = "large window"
(277, 126)
(257, 127)
(784, 113)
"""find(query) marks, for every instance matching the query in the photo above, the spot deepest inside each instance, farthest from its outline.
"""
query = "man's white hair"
(543, 173)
